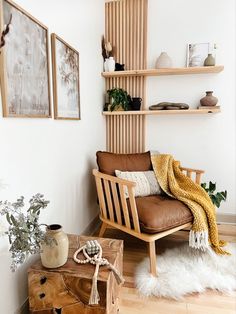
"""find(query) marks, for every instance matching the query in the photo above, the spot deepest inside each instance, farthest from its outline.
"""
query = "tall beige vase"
(55, 254)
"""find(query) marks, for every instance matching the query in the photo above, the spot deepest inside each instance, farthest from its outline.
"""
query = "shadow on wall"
(90, 192)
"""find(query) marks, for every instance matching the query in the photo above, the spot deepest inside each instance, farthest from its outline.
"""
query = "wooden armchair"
(122, 213)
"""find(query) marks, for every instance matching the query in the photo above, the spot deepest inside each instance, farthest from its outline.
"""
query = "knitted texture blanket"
(176, 184)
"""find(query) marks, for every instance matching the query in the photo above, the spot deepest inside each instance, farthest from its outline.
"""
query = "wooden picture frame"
(66, 89)
(24, 65)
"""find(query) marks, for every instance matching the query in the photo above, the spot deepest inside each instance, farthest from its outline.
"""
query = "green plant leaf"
(216, 197)
(212, 187)
(13, 220)
(8, 219)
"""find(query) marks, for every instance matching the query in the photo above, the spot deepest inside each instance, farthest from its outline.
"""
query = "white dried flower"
(108, 46)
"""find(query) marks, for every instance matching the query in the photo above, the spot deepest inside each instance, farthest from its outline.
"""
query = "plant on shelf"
(119, 99)
(216, 197)
(24, 232)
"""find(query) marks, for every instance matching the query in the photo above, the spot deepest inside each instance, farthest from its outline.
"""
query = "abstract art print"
(24, 64)
(65, 62)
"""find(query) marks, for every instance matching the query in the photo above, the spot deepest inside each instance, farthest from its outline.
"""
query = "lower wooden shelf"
(162, 112)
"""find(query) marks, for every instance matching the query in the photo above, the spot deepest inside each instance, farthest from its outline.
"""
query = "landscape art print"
(65, 61)
(25, 83)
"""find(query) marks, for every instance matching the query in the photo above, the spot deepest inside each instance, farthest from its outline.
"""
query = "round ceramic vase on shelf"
(209, 99)
(55, 254)
(111, 64)
(210, 60)
(164, 61)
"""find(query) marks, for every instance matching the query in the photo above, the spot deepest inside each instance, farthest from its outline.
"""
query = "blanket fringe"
(199, 240)
(219, 250)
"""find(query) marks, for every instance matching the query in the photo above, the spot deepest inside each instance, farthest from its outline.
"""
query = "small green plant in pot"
(216, 197)
(119, 99)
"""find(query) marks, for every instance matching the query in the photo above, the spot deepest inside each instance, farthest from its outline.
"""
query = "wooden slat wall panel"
(125, 133)
(126, 29)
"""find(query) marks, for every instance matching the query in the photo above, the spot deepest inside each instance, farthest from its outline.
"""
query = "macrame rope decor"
(92, 251)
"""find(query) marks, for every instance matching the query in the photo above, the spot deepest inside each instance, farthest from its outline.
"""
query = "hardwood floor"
(210, 302)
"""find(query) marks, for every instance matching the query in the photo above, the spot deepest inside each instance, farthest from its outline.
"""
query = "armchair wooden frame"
(115, 212)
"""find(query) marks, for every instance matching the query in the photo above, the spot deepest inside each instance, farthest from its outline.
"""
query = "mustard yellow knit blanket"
(176, 184)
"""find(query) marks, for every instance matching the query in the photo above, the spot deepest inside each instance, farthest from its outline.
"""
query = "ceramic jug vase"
(55, 253)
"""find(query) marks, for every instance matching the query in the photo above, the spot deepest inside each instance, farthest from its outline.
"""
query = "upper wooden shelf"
(168, 71)
(161, 112)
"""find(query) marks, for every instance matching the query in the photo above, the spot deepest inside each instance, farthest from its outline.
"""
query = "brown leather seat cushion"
(109, 162)
(159, 213)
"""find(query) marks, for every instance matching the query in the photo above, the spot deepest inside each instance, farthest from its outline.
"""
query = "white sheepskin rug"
(184, 270)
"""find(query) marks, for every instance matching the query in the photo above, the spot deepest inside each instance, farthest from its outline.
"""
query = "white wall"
(56, 157)
(206, 142)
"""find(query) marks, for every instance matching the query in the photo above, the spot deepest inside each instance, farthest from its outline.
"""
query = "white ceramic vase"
(111, 64)
(55, 254)
(164, 61)
(106, 65)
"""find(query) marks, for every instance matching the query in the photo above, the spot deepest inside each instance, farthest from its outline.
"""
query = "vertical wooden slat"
(109, 201)
(124, 207)
(107, 133)
(198, 178)
(189, 173)
(145, 35)
(113, 21)
(124, 28)
(115, 134)
(144, 133)
(116, 202)
(141, 34)
(133, 208)
(101, 197)
(131, 14)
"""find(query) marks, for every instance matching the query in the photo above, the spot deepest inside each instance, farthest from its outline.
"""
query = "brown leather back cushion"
(109, 162)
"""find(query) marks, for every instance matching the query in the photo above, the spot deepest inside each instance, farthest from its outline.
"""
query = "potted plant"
(119, 99)
(26, 236)
(216, 197)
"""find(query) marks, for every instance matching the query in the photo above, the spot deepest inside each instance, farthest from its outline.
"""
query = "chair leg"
(152, 257)
(102, 229)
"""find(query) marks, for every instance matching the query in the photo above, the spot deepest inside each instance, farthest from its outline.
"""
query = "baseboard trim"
(226, 219)
(92, 227)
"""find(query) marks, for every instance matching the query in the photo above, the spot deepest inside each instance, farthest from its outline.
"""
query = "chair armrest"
(113, 202)
(190, 171)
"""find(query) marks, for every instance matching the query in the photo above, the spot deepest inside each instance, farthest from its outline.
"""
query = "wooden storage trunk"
(66, 290)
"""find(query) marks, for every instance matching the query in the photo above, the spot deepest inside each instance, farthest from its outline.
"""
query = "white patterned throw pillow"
(146, 182)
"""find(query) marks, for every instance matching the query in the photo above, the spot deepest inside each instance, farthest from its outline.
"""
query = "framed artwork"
(24, 65)
(66, 92)
(197, 53)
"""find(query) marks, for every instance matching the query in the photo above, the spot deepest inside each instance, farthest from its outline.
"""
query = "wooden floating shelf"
(161, 112)
(168, 71)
